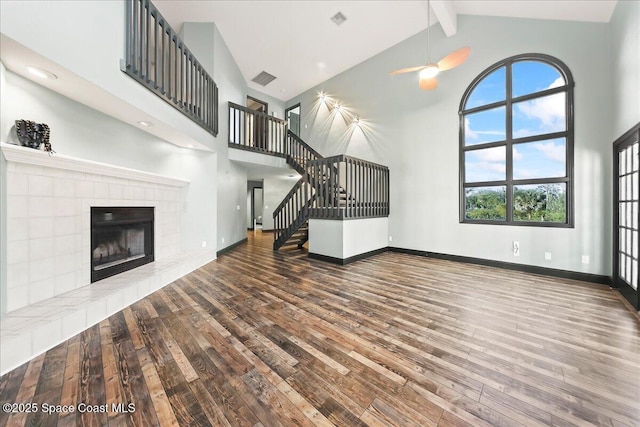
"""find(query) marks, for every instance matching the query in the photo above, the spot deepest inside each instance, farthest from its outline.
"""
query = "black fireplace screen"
(121, 239)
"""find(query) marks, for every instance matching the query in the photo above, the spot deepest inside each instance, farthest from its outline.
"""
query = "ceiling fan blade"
(454, 58)
(406, 70)
(428, 84)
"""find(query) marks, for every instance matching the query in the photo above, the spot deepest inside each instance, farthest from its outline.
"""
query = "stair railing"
(299, 153)
(292, 212)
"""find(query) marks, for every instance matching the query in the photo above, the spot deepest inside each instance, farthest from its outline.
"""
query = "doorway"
(255, 204)
(292, 116)
(626, 167)
(257, 123)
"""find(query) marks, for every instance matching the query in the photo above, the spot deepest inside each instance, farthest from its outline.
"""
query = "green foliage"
(543, 203)
(531, 203)
(483, 203)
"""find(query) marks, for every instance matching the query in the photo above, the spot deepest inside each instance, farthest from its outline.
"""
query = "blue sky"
(540, 159)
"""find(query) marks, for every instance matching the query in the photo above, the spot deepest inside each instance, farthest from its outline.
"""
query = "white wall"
(415, 133)
(345, 239)
(206, 43)
(79, 131)
(274, 191)
(625, 55)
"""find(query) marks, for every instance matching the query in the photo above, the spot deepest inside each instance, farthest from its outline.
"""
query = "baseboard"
(554, 272)
(230, 247)
(345, 261)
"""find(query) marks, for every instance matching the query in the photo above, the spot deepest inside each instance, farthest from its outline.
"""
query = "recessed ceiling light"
(43, 74)
(145, 124)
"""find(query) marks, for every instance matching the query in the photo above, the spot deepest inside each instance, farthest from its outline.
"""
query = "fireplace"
(121, 239)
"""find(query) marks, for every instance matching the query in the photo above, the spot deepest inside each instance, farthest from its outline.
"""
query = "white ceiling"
(297, 42)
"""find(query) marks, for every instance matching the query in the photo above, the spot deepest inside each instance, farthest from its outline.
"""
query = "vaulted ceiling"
(297, 42)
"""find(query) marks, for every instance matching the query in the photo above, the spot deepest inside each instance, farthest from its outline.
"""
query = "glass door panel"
(627, 181)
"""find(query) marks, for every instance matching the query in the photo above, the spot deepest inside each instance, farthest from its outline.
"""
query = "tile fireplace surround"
(49, 294)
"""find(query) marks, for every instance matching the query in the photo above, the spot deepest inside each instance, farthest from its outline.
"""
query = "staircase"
(291, 217)
(334, 188)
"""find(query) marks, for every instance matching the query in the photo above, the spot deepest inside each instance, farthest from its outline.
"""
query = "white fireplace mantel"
(18, 154)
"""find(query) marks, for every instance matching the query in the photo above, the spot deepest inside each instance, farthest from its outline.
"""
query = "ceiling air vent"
(338, 18)
(263, 78)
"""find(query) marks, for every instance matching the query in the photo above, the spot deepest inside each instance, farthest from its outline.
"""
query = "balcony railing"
(256, 131)
(347, 188)
(158, 59)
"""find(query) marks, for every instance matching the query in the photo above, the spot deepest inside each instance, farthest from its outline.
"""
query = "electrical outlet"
(390, 239)
(585, 259)
(516, 248)
(547, 255)
(237, 207)
(204, 243)
(223, 240)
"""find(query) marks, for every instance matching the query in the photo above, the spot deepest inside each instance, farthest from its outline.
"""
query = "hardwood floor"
(259, 338)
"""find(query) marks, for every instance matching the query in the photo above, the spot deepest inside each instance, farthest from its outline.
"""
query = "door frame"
(253, 205)
(286, 114)
(631, 295)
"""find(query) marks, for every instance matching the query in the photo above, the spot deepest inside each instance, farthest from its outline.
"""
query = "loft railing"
(256, 131)
(158, 59)
(346, 188)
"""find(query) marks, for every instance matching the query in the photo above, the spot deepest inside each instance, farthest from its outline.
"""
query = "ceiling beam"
(447, 16)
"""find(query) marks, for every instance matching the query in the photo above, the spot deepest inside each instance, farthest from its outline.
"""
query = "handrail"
(292, 212)
(159, 60)
(299, 141)
(256, 131)
(287, 197)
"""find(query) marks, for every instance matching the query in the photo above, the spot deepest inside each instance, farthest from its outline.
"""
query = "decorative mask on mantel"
(33, 135)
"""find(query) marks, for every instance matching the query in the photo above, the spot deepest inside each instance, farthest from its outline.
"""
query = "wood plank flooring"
(259, 338)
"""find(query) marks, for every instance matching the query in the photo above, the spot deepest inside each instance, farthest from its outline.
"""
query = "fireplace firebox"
(121, 239)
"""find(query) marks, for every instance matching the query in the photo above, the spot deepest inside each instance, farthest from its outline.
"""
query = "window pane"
(488, 164)
(489, 90)
(540, 203)
(539, 116)
(486, 203)
(636, 158)
(485, 126)
(540, 159)
(534, 76)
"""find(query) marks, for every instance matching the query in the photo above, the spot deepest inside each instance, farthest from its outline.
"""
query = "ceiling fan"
(429, 72)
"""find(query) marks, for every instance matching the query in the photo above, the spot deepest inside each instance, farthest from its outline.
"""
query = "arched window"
(516, 144)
